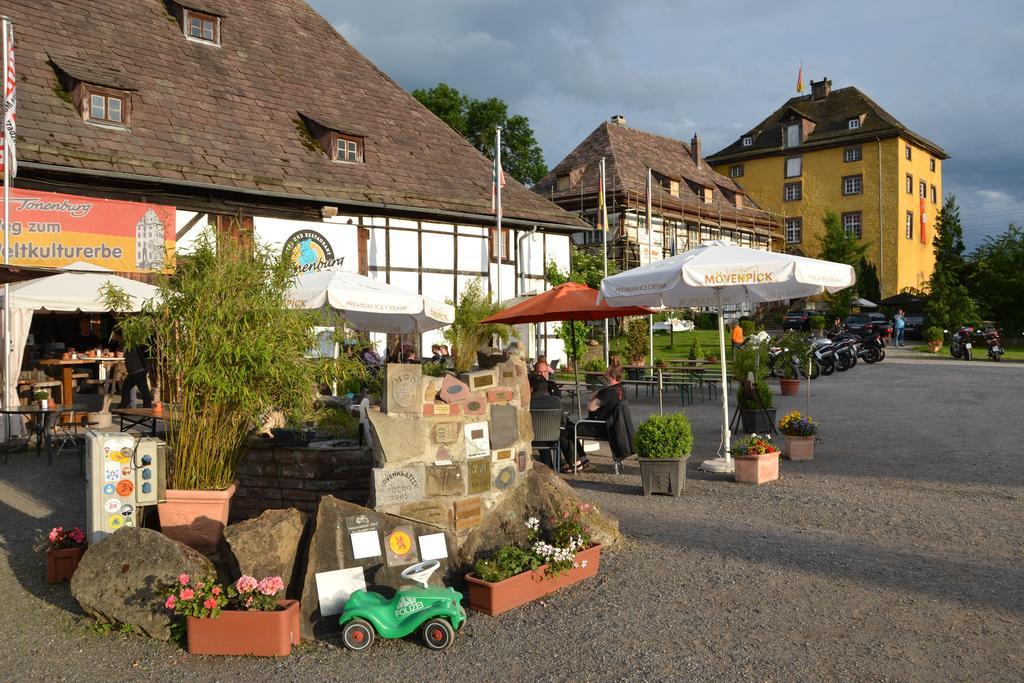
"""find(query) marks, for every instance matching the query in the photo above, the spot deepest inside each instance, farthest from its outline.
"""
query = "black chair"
(547, 433)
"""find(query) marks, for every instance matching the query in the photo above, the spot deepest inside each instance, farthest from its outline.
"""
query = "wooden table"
(139, 417)
(68, 370)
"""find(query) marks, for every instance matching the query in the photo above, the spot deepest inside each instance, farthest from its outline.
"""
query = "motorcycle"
(846, 350)
(960, 342)
(824, 354)
(872, 347)
(995, 345)
(797, 369)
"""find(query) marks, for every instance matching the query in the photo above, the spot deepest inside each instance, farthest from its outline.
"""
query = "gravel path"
(895, 555)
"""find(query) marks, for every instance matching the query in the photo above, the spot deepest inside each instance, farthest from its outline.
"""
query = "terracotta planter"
(799, 447)
(515, 591)
(789, 387)
(757, 469)
(196, 518)
(935, 347)
(264, 634)
(61, 564)
(663, 475)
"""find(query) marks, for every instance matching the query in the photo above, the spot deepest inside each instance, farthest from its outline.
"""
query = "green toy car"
(433, 609)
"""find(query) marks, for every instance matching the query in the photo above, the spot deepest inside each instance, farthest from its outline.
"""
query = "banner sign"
(309, 250)
(56, 230)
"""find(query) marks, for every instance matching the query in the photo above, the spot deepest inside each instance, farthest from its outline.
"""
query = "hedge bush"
(932, 334)
(664, 436)
(706, 321)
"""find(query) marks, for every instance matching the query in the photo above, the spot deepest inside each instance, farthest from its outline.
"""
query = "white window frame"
(348, 150)
(205, 20)
(853, 227)
(909, 184)
(935, 195)
(922, 189)
(799, 161)
(853, 124)
(736, 171)
(853, 154)
(853, 184)
(747, 141)
(797, 193)
(789, 137)
(908, 230)
(794, 230)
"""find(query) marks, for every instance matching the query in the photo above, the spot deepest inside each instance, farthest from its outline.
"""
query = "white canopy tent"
(719, 273)
(370, 305)
(78, 290)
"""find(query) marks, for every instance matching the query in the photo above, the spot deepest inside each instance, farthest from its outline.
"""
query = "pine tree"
(950, 304)
(839, 247)
(868, 285)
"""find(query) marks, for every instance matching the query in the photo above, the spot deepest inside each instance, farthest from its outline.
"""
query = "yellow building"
(839, 150)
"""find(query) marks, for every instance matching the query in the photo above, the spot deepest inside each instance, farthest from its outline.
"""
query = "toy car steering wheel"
(421, 572)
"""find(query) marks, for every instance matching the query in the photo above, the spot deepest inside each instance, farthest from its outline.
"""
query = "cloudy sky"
(950, 70)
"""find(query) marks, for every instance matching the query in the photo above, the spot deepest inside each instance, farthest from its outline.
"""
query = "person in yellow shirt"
(737, 338)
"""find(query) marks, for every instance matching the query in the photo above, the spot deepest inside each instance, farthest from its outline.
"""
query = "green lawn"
(681, 347)
(1012, 352)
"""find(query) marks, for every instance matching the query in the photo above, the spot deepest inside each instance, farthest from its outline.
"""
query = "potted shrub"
(934, 337)
(662, 444)
(42, 398)
(64, 550)
(696, 352)
(466, 334)
(757, 412)
(799, 431)
(795, 348)
(247, 618)
(516, 575)
(757, 461)
(637, 340)
(228, 350)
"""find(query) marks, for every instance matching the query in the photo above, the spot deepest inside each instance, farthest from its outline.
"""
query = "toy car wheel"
(357, 635)
(438, 634)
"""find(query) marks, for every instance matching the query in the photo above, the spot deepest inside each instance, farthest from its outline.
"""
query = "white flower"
(584, 564)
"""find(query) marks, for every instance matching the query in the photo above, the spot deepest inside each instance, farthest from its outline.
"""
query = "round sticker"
(112, 505)
(126, 471)
(115, 522)
(127, 509)
(108, 489)
(400, 543)
(124, 488)
(123, 455)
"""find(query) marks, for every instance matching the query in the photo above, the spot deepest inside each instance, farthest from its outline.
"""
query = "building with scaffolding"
(689, 202)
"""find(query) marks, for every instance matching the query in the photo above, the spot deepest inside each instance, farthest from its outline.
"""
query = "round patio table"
(40, 422)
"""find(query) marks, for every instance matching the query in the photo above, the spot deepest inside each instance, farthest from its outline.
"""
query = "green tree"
(475, 120)
(839, 247)
(949, 304)
(467, 334)
(868, 286)
(999, 279)
(585, 267)
(574, 335)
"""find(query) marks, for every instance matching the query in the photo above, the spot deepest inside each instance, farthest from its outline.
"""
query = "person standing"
(737, 338)
(137, 366)
(899, 324)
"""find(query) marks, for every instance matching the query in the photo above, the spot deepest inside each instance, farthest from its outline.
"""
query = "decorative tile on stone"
(441, 409)
(445, 480)
(427, 511)
(522, 460)
(481, 380)
(479, 475)
(504, 453)
(397, 486)
(468, 513)
(476, 404)
(453, 390)
(500, 395)
(446, 432)
(478, 442)
(402, 390)
(504, 423)
(504, 476)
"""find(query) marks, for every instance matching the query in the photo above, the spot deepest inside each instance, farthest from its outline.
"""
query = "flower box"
(757, 469)
(237, 632)
(799, 447)
(515, 591)
(62, 563)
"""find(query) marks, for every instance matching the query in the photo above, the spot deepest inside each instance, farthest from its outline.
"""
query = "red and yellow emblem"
(400, 543)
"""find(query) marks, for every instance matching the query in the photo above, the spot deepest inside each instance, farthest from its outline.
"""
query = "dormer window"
(348, 148)
(562, 182)
(793, 135)
(748, 141)
(853, 123)
(105, 105)
(200, 27)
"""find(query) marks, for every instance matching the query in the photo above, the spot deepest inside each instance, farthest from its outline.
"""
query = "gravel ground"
(894, 555)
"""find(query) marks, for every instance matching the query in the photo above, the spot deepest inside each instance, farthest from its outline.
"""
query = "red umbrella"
(567, 301)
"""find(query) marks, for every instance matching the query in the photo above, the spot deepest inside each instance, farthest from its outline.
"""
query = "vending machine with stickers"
(125, 473)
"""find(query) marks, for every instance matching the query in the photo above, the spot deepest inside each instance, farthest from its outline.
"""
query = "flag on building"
(600, 198)
(9, 138)
(497, 178)
(924, 222)
(800, 78)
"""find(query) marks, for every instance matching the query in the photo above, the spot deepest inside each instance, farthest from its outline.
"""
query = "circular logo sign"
(309, 250)
(115, 522)
(112, 505)
(400, 543)
(124, 488)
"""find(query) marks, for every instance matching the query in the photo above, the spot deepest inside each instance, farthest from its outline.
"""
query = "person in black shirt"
(602, 406)
(136, 365)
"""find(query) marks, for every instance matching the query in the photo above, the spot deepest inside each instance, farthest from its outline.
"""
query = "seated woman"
(608, 405)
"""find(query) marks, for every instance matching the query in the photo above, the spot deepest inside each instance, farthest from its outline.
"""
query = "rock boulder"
(267, 545)
(121, 578)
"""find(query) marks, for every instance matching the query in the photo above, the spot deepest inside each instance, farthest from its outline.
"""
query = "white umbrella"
(370, 305)
(864, 303)
(718, 273)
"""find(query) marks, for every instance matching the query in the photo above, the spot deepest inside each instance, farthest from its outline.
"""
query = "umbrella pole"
(723, 464)
(575, 369)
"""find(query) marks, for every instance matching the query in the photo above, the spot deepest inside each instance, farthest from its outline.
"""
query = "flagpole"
(7, 231)
(604, 239)
(650, 256)
(497, 195)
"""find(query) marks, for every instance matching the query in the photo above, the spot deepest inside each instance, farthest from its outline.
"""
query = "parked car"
(878, 322)
(797, 320)
(857, 324)
(915, 324)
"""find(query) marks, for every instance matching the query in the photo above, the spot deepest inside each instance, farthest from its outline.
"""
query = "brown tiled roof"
(628, 153)
(830, 116)
(226, 116)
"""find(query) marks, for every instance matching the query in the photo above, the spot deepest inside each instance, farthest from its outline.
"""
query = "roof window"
(201, 27)
(748, 141)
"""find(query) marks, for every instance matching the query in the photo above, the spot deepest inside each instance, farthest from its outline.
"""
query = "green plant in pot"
(757, 408)
(817, 324)
(228, 349)
(467, 334)
(797, 353)
(933, 336)
(662, 444)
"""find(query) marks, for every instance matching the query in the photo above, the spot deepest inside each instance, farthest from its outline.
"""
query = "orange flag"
(800, 78)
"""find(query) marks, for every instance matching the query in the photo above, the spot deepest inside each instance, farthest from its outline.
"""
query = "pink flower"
(245, 584)
(565, 515)
(199, 586)
(248, 602)
(170, 602)
(585, 507)
(215, 590)
(209, 603)
(186, 594)
(183, 579)
(55, 533)
(271, 585)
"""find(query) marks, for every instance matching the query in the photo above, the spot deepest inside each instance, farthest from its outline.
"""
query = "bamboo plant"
(227, 349)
